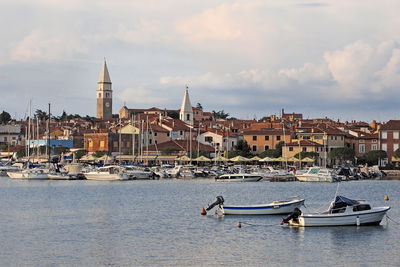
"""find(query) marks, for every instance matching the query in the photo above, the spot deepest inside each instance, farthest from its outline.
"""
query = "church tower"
(104, 94)
(186, 113)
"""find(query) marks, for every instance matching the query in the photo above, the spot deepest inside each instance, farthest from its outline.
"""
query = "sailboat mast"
(37, 139)
(29, 131)
(119, 143)
(133, 138)
(48, 137)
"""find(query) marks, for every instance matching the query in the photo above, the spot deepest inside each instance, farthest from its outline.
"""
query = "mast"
(48, 137)
(190, 149)
(119, 142)
(133, 139)
(198, 142)
(29, 131)
(147, 140)
(37, 139)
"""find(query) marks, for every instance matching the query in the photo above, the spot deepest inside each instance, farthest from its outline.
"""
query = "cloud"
(39, 46)
(142, 97)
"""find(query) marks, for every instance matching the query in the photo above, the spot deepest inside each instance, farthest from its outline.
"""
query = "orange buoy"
(203, 211)
(239, 225)
(386, 197)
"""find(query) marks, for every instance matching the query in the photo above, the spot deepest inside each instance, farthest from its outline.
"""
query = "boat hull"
(28, 175)
(279, 207)
(311, 178)
(239, 178)
(106, 177)
(368, 217)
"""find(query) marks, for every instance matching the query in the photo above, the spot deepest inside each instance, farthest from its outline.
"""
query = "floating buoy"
(203, 211)
(386, 197)
(239, 225)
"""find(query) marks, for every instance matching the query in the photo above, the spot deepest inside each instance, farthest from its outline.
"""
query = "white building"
(186, 112)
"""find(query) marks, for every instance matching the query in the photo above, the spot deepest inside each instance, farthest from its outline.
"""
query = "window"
(188, 117)
(254, 138)
(306, 137)
(395, 147)
(254, 148)
(233, 144)
(168, 134)
(208, 139)
(278, 137)
(99, 95)
(362, 141)
(180, 132)
(395, 135)
(155, 142)
(374, 147)
(266, 147)
(341, 138)
(317, 137)
(290, 148)
(361, 148)
(384, 135)
(5, 139)
(101, 144)
(90, 143)
(266, 137)
(155, 133)
(150, 141)
(305, 149)
(335, 137)
(384, 147)
(374, 141)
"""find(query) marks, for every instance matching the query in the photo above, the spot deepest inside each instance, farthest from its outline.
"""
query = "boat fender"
(294, 215)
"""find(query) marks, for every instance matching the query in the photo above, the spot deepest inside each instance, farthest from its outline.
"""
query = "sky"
(338, 59)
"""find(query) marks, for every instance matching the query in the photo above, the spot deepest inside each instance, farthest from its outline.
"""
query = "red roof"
(391, 125)
(304, 143)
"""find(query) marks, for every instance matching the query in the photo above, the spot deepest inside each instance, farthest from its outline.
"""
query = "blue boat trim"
(258, 208)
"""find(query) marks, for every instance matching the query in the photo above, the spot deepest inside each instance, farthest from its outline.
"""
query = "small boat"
(342, 211)
(238, 177)
(273, 208)
(317, 174)
(108, 173)
(29, 174)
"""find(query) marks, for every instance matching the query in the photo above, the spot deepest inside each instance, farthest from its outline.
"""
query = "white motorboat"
(29, 174)
(139, 174)
(238, 177)
(174, 172)
(4, 169)
(273, 208)
(108, 173)
(317, 174)
(342, 211)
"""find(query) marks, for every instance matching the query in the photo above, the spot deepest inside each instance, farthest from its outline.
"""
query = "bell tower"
(186, 112)
(104, 94)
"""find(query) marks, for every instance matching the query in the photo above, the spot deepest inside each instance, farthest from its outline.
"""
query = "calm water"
(151, 223)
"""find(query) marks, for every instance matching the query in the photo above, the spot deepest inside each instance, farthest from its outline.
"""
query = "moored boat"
(342, 211)
(317, 174)
(108, 173)
(273, 208)
(238, 177)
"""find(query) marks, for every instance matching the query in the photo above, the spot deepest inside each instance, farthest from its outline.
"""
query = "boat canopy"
(342, 202)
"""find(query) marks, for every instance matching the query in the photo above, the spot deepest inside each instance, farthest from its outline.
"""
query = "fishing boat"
(273, 208)
(239, 177)
(342, 211)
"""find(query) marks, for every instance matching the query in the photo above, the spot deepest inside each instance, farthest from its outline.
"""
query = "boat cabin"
(344, 204)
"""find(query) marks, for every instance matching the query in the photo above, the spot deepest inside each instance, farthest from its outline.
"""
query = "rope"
(254, 224)
(392, 220)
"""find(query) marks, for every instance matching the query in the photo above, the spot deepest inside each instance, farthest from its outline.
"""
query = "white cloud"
(142, 97)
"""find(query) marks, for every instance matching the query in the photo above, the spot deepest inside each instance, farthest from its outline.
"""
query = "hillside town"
(156, 135)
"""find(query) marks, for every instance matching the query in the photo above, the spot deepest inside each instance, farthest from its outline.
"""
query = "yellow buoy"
(386, 197)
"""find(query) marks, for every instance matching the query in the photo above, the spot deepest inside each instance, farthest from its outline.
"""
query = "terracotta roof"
(303, 143)
(265, 132)
(391, 125)
(182, 145)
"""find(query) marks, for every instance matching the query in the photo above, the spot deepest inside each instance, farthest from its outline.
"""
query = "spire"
(104, 76)
(186, 105)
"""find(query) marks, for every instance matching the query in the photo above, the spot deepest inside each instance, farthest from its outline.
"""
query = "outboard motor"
(294, 215)
(218, 201)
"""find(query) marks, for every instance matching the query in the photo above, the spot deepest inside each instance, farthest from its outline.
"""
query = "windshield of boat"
(340, 204)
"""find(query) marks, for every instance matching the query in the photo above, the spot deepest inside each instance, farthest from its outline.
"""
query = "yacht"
(318, 174)
(108, 173)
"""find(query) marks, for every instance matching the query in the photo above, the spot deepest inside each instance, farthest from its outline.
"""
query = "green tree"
(173, 114)
(220, 114)
(199, 106)
(5, 117)
(397, 153)
(63, 116)
(342, 154)
(80, 153)
(21, 152)
(41, 115)
(273, 153)
(372, 157)
(241, 149)
(305, 154)
(58, 150)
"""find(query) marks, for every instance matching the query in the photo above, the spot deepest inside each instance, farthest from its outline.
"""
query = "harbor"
(148, 223)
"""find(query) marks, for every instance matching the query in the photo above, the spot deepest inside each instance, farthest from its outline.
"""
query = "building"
(291, 149)
(10, 134)
(264, 139)
(219, 139)
(104, 94)
(186, 112)
(389, 138)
